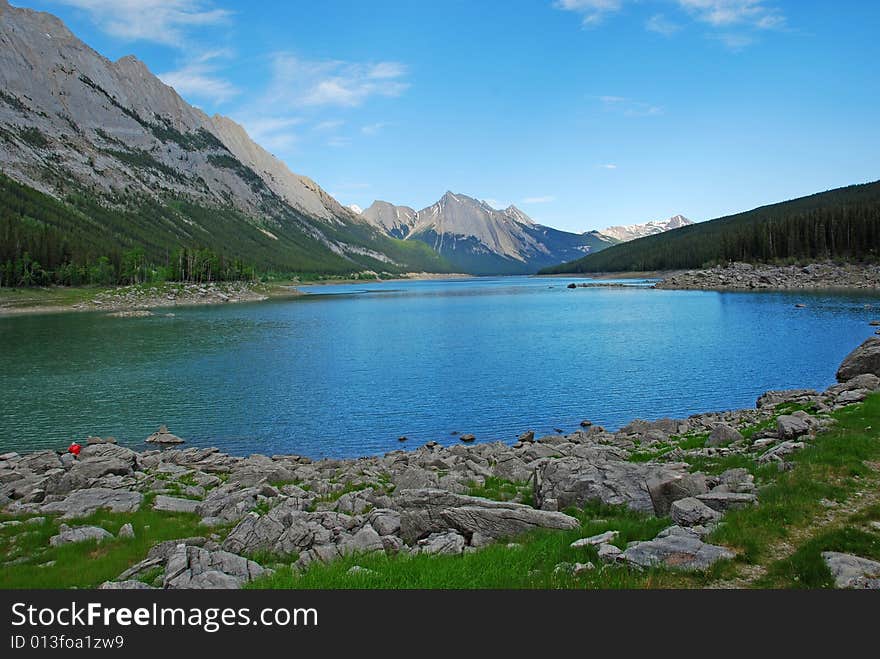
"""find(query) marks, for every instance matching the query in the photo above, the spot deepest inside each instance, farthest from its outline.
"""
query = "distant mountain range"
(477, 238)
(629, 232)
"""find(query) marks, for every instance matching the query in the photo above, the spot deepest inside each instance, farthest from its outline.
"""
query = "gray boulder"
(67, 535)
(724, 501)
(792, 426)
(692, 512)
(198, 568)
(576, 481)
(852, 571)
(679, 552)
(723, 434)
(83, 503)
(664, 492)
(174, 504)
(862, 360)
(596, 540)
(448, 542)
(427, 511)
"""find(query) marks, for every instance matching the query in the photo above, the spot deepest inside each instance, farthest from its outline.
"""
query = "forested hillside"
(839, 224)
(81, 241)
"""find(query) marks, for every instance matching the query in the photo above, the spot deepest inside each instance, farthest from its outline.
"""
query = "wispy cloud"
(629, 107)
(273, 133)
(373, 129)
(742, 15)
(724, 13)
(328, 125)
(539, 200)
(609, 165)
(733, 41)
(199, 78)
(161, 21)
(661, 25)
(592, 12)
(298, 82)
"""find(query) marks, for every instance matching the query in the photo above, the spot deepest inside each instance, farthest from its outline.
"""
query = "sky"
(583, 113)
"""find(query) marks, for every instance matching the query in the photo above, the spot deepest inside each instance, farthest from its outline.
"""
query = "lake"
(345, 371)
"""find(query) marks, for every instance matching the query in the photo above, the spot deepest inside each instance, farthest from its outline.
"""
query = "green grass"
(530, 564)
(807, 569)
(499, 489)
(87, 564)
(831, 467)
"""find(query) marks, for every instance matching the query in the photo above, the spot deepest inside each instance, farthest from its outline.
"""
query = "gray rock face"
(197, 568)
(67, 535)
(227, 503)
(427, 511)
(792, 426)
(576, 481)
(863, 360)
(84, 472)
(664, 492)
(724, 501)
(448, 542)
(596, 540)
(852, 571)
(175, 505)
(723, 434)
(692, 512)
(680, 552)
(83, 503)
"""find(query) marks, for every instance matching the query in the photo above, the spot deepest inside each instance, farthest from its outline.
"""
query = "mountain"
(105, 158)
(479, 239)
(629, 232)
(841, 224)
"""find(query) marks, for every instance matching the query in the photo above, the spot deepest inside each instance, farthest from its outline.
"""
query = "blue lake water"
(347, 370)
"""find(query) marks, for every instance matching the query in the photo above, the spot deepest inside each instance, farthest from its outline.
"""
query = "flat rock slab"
(67, 535)
(723, 501)
(852, 571)
(82, 503)
(197, 568)
(175, 504)
(576, 481)
(678, 552)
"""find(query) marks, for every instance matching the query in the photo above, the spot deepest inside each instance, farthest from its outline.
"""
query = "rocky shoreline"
(420, 501)
(745, 276)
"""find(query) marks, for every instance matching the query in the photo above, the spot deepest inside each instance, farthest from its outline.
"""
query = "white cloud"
(272, 133)
(734, 42)
(338, 142)
(593, 12)
(198, 78)
(330, 124)
(539, 200)
(661, 25)
(724, 13)
(629, 107)
(161, 21)
(300, 83)
(372, 129)
(608, 166)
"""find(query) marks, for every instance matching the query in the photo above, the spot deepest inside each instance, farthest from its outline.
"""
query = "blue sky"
(584, 113)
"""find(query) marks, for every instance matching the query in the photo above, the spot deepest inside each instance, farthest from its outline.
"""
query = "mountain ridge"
(478, 238)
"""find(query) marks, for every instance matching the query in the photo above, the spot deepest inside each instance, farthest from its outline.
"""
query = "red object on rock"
(74, 448)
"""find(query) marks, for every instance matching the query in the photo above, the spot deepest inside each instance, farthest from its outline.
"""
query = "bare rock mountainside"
(629, 232)
(477, 238)
(75, 124)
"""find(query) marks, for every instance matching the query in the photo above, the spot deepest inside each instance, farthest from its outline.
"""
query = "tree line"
(45, 242)
(841, 224)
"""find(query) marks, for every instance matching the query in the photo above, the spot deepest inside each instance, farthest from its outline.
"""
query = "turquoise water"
(346, 371)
